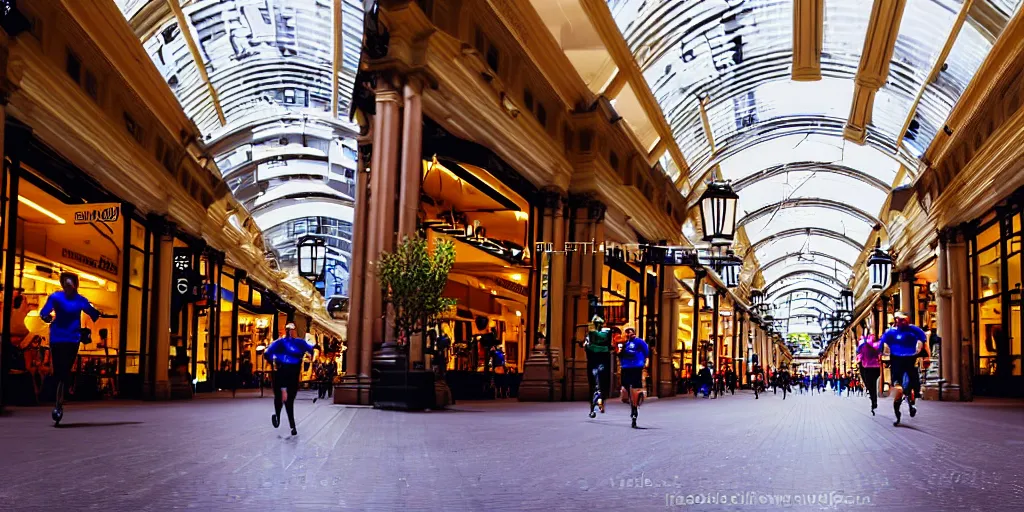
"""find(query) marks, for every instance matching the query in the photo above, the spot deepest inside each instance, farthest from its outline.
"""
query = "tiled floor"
(767, 454)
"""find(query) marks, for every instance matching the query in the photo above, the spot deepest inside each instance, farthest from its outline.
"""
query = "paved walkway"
(767, 454)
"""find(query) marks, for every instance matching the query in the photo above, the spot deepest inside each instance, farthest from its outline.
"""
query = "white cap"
(290, 325)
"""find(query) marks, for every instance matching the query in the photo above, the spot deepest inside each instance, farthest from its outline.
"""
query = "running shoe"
(275, 420)
(896, 409)
(57, 415)
(295, 432)
(600, 404)
(913, 408)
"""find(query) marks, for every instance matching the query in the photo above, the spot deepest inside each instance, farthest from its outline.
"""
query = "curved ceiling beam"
(768, 286)
(825, 167)
(790, 125)
(809, 202)
(809, 299)
(806, 289)
(786, 256)
(788, 233)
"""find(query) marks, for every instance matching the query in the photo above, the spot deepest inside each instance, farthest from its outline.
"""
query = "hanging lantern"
(879, 267)
(730, 269)
(756, 298)
(312, 251)
(845, 306)
(718, 213)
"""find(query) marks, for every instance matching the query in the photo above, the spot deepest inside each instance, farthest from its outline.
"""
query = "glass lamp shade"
(718, 213)
(879, 267)
(312, 256)
(730, 269)
(756, 298)
(845, 302)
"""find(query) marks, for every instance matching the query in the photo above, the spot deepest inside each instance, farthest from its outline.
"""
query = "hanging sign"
(187, 285)
(88, 237)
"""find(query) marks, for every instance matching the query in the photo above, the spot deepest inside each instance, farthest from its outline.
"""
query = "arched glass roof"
(269, 107)
(809, 199)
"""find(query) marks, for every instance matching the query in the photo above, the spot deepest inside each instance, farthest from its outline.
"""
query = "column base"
(579, 388)
(353, 390)
(161, 391)
(931, 390)
(666, 389)
(951, 393)
(540, 381)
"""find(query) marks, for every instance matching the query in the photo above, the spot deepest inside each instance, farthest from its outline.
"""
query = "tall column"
(160, 314)
(412, 157)
(908, 300)
(543, 369)
(668, 320)
(695, 333)
(962, 349)
(944, 311)
(354, 388)
(584, 268)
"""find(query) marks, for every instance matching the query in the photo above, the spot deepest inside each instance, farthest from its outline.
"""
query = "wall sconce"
(510, 107)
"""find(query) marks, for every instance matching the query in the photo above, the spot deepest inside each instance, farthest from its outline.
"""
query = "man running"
(598, 345)
(632, 358)
(287, 353)
(758, 381)
(65, 334)
(783, 381)
(906, 344)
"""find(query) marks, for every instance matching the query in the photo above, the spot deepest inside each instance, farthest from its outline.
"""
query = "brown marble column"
(960, 376)
(412, 157)
(583, 277)
(944, 324)
(381, 233)
(543, 368)
(668, 322)
(354, 388)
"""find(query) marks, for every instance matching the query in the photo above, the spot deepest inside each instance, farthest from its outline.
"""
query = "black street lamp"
(718, 213)
(756, 299)
(729, 268)
(845, 302)
(879, 267)
(312, 257)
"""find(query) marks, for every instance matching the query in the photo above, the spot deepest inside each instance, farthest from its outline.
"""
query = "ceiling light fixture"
(35, 206)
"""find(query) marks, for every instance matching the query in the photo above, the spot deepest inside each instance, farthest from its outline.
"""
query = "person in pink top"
(869, 358)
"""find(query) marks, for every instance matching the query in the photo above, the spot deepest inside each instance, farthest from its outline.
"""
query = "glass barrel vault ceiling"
(284, 153)
(808, 198)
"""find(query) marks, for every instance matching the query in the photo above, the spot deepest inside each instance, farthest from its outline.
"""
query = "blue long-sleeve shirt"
(634, 353)
(902, 341)
(67, 326)
(287, 351)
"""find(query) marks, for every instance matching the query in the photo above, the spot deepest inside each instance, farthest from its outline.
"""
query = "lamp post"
(312, 255)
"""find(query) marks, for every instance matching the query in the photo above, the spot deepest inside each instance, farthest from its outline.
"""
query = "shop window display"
(55, 238)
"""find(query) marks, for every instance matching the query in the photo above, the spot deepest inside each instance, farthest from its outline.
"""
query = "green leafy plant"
(412, 280)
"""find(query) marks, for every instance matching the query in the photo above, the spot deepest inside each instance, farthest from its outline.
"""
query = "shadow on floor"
(99, 424)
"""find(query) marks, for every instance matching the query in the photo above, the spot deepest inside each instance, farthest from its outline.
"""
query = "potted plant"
(412, 280)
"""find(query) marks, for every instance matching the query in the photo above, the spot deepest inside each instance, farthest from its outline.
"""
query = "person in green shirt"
(598, 345)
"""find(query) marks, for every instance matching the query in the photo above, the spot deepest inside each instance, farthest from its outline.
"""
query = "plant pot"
(394, 386)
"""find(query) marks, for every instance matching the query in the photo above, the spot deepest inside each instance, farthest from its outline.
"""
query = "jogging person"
(65, 334)
(286, 354)
(906, 344)
(633, 357)
(598, 345)
(758, 381)
(869, 360)
(783, 381)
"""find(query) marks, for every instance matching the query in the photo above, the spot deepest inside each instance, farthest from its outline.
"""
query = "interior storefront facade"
(995, 291)
(488, 220)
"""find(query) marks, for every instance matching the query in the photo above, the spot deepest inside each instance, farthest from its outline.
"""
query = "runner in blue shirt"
(633, 356)
(906, 344)
(287, 354)
(65, 334)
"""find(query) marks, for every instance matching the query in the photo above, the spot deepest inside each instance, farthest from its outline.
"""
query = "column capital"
(595, 208)
(551, 198)
(907, 275)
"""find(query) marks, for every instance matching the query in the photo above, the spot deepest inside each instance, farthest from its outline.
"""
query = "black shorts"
(903, 372)
(633, 378)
